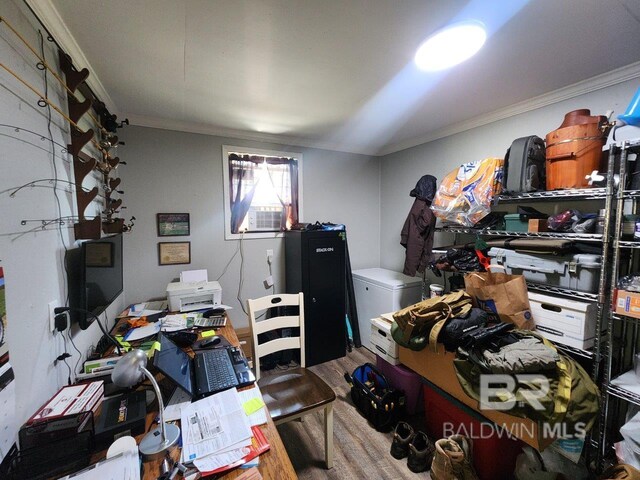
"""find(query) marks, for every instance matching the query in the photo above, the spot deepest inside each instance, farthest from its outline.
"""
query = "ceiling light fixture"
(450, 46)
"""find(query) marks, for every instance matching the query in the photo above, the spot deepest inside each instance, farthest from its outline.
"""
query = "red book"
(71, 400)
(259, 445)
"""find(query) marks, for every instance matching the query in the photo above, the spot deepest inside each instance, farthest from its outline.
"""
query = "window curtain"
(283, 174)
(242, 186)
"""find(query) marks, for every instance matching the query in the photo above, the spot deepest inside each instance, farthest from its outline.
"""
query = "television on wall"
(95, 278)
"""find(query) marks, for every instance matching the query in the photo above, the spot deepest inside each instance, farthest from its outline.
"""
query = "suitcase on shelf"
(580, 271)
(529, 154)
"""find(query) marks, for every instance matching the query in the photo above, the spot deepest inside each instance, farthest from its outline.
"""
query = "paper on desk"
(124, 466)
(145, 312)
(258, 417)
(194, 276)
(173, 323)
(179, 400)
(213, 424)
(142, 332)
(217, 460)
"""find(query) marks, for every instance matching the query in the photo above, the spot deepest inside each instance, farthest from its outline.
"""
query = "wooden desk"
(274, 464)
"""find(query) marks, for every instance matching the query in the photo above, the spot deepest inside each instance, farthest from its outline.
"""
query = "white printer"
(189, 296)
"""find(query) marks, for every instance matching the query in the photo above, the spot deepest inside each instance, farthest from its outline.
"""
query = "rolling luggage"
(529, 154)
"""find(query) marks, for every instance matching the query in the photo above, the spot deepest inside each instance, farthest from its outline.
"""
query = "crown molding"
(53, 22)
(589, 85)
(279, 139)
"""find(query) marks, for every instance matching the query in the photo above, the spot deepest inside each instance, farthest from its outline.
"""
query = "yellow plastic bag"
(465, 195)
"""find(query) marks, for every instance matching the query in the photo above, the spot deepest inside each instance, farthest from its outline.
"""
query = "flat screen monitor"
(95, 277)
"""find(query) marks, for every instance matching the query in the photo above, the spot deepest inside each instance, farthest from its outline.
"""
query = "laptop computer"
(209, 372)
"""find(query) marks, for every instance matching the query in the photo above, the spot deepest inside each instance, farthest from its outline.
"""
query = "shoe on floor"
(402, 436)
(447, 461)
(421, 451)
(465, 444)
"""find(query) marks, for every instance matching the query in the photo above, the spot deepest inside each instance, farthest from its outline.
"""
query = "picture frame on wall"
(174, 253)
(173, 224)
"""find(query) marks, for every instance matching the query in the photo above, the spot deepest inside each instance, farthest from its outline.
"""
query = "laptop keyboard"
(219, 370)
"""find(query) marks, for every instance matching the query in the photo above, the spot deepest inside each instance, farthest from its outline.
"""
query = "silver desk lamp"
(128, 372)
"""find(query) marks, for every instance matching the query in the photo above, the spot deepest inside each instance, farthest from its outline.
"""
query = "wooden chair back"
(261, 306)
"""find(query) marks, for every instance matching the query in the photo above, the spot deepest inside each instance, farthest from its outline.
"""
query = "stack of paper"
(124, 466)
(217, 433)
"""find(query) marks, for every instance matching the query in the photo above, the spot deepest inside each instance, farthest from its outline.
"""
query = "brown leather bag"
(574, 150)
(620, 472)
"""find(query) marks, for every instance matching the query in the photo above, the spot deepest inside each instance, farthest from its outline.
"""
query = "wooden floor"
(360, 451)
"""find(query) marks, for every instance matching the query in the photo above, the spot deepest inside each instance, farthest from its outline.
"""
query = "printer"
(189, 296)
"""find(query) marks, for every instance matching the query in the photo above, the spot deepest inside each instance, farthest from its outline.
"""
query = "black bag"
(529, 152)
(375, 398)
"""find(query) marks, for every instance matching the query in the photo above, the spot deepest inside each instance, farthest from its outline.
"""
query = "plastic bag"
(465, 195)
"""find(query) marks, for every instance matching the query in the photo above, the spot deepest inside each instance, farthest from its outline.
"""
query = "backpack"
(530, 153)
(375, 398)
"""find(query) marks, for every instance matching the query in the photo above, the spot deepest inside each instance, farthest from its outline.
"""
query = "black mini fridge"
(315, 266)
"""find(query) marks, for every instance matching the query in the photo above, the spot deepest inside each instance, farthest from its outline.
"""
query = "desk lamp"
(128, 372)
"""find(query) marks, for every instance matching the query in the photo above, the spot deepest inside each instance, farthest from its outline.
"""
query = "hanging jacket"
(418, 229)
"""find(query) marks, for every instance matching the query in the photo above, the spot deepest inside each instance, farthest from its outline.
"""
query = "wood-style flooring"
(360, 451)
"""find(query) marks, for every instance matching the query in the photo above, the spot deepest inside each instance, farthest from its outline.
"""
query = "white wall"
(401, 170)
(176, 172)
(32, 261)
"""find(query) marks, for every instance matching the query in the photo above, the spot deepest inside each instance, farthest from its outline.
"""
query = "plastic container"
(444, 415)
(404, 379)
(575, 272)
(436, 290)
(514, 224)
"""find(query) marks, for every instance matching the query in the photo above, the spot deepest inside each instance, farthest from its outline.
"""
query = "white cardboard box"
(382, 343)
(569, 322)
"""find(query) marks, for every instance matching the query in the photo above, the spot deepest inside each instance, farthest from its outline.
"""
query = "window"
(262, 193)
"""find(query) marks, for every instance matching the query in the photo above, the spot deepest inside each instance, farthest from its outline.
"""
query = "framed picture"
(99, 254)
(174, 253)
(173, 224)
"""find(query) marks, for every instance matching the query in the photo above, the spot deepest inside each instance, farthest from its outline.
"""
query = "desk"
(274, 464)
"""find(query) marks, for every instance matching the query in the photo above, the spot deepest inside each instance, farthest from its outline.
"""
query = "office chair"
(293, 393)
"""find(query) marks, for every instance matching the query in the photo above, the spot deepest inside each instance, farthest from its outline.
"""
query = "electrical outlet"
(268, 282)
(52, 322)
(269, 256)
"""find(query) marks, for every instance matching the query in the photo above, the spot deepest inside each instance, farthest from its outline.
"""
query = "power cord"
(241, 281)
(96, 318)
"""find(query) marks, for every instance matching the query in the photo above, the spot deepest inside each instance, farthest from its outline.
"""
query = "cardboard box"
(628, 303)
(382, 342)
(538, 225)
(438, 369)
(244, 337)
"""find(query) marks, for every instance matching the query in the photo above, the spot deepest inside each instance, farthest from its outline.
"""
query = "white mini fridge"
(381, 291)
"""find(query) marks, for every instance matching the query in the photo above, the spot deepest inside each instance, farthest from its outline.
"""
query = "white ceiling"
(335, 73)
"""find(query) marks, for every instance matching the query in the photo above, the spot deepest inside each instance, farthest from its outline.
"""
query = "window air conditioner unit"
(265, 219)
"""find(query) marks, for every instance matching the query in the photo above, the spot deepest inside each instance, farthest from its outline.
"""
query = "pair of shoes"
(452, 460)
(415, 445)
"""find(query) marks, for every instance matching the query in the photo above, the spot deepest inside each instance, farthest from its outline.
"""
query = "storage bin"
(444, 415)
(575, 272)
(564, 321)
(514, 224)
(379, 290)
(404, 379)
(382, 343)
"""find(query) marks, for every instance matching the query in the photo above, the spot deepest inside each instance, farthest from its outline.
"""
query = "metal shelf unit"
(583, 237)
(623, 332)
(600, 354)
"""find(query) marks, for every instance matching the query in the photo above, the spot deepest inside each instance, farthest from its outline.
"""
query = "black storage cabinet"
(315, 266)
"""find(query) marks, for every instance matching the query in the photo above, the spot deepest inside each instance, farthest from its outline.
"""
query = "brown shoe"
(402, 436)
(465, 444)
(447, 462)
(421, 452)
